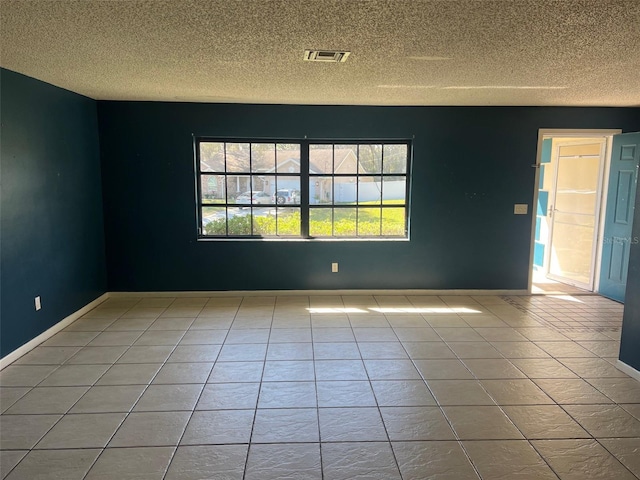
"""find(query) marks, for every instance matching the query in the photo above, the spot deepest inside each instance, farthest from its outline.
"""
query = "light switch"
(520, 209)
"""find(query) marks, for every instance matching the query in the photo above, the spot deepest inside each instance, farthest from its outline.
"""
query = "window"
(258, 189)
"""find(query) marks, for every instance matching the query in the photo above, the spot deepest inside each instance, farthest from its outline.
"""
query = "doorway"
(571, 171)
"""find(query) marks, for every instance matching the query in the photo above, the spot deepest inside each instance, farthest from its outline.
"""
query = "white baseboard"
(256, 293)
(27, 347)
(628, 369)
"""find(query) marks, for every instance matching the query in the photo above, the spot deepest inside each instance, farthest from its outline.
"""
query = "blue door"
(623, 180)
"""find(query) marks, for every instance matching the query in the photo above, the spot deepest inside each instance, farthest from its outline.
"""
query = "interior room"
(266, 239)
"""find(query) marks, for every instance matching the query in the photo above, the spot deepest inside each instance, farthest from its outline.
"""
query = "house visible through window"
(302, 189)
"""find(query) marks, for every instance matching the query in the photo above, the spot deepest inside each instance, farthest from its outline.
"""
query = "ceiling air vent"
(335, 56)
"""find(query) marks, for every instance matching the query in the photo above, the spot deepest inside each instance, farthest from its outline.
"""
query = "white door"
(574, 212)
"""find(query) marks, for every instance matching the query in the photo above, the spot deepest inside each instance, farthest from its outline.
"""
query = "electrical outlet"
(334, 267)
(38, 304)
(520, 209)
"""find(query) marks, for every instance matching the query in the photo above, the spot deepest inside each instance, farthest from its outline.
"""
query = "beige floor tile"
(156, 429)
(109, 399)
(481, 423)
(459, 392)
(22, 432)
(279, 461)
(571, 391)
(242, 353)
(542, 368)
(9, 459)
(10, 395)
(351, 425)
(581, 460)
(290, 351)
(416, 423)
(520, 350)
(182, 373)
(227, 396)
(47, 400)
(134, 374)
(391, 370)
(351, 460)
(626, 451)
(620, 390)
(428, 350)
(287, 394)
(208, 461)
(345, 394)
(48, 356)
(466, 350)
(82, 431)
(402, 393)
(632, 408)
(25, 375)
(544, 421)
(564, 349)
(592, 367)
(508, 459)
(166, 398)
(149, 463)
(493, 368)
(286, 425)
(605, 420)
(218, 427)
(516, 392)
(443, 369)
(55, 464)
(382, 350)
(434, 459)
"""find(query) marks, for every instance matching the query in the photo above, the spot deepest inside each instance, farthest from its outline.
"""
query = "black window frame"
(305, 176)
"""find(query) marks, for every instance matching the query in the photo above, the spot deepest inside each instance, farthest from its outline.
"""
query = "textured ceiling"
(404, 52)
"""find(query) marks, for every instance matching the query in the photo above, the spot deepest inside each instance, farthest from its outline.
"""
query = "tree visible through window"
(302, 190)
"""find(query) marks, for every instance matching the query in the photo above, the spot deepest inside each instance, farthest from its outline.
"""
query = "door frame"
(571, 133)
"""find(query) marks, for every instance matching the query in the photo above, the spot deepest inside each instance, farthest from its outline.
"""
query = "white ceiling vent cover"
(335, 56)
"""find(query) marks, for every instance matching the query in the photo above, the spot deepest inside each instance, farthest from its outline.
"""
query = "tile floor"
(326, 387)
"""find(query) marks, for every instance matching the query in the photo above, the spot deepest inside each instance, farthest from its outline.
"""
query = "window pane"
(393, 221)
(288, 156)
(344, 222)
(288, 221)
(239, 189)
(395, 158)
(369, 222)
(320, 158)
(214, 221)
(238, 157)
(345, 190)
(264, 221)
(321, 190)
(288, 192)
(370, 159)
(212, 157)
(320, 222)
(394, 190)
(345, 159)
(369, 190)
(239, 221)
(263, 157)
(209, 189)
(260, 189)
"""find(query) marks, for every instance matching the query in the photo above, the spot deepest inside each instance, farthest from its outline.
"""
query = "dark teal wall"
(630, 344)
(51, 219)
(470, 165)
